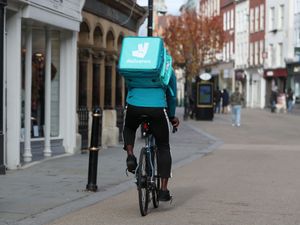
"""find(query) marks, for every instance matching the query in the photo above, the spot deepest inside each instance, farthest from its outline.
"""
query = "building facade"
(226, 64)
(255, 81)
(105, 24)
(40, 79)
(293, 63)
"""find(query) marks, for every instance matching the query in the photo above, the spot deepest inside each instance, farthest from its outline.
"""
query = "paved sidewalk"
(252, 178)
(51, 189)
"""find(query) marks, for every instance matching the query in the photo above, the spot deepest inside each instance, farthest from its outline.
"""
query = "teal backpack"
(144, 62)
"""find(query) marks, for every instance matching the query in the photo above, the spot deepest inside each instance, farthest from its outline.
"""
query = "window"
(228, 20)
(96, 84)
(231, 49)
(38, 82)
(108, 87)
(256, 53)
(251, 54)
(279, 54)
(272, 19)
(231, 19)
(261, 51)
(251, 20)
(256, 22)
(118, 91)
(224, 21)
(272, 58)
(262, 17)
(82, 97)
(281, 17)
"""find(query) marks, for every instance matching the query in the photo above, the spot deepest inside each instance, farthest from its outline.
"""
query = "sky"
(172, 5)
(172, 8)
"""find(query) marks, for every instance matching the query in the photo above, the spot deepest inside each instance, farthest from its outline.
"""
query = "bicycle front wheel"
(142, 185)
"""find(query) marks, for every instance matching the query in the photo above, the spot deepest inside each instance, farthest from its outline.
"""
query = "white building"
(241, 44)
(40, 79)
(279, 36)
(293, 63)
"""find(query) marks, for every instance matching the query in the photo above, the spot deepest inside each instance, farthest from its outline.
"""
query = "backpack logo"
(141, 51)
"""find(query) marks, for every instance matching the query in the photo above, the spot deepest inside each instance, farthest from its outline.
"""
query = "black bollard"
(94, 148)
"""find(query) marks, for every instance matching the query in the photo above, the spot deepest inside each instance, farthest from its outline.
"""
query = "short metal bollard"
(94, 148)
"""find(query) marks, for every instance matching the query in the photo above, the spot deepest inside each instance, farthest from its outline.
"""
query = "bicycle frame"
(147, 180)
(149, 145)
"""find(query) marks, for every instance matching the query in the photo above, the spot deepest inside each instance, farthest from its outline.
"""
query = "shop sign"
(270, 73)
(296, 69)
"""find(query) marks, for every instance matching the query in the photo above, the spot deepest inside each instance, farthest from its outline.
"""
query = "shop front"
(255, 87)
(41, 49)
(294, 80)
(276, 79)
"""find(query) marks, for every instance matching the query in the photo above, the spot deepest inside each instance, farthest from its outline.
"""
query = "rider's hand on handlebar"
(175, 121)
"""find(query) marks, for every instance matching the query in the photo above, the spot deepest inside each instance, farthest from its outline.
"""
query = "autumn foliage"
(193, 40)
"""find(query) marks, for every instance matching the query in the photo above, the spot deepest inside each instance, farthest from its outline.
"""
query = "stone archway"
(84, 32)
(98, 37)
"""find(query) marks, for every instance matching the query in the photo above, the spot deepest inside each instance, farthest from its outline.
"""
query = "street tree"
(193, 41)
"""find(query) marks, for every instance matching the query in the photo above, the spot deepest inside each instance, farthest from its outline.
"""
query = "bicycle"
(148, 180)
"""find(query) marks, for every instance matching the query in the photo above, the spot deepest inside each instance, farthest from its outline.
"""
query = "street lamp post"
(3, 4)
(150, 18)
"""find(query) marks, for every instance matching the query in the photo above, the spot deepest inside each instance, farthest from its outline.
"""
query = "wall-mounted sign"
(270, 73)
(205, 76)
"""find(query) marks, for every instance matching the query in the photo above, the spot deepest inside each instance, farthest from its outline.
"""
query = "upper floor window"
(262, 17)
(272, 18)
(251, 20)
(280, 16)
(279, 54)
(261, 51)
(224, 21)
(231, 19)
(251, 54)
(256, 21)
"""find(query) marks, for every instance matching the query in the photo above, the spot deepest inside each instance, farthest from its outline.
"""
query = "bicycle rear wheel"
(143, 189)
(156, 188)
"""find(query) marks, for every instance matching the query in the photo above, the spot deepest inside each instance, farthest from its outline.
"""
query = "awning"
(282, 72)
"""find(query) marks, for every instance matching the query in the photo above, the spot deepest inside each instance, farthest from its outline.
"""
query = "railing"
(83, 126)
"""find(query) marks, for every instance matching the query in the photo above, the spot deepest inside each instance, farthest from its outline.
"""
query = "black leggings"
(160, 129)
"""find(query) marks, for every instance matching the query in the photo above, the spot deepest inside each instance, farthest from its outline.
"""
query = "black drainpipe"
(3, 4)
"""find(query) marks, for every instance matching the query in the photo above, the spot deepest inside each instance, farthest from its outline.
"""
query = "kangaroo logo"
(141, 51)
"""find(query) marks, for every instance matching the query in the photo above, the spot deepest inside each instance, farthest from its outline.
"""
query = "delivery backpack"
(144, 62)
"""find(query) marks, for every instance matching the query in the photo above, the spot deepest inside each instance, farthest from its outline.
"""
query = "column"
(2, 25)
(28, 82)
(47, 128)
(13, 90)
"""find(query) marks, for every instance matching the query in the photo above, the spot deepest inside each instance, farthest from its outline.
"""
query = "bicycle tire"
(143, 188)
(156, 188)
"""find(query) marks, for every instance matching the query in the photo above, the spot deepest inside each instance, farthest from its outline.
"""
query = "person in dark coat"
(217, 100)
(225, 101)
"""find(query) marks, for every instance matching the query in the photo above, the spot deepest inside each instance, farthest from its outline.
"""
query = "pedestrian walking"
(290, 100)
(273, 100)
(236, 100)
(225, 101)
(217, 100)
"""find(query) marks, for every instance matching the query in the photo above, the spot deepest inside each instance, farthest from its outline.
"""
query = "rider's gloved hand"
(175, 121)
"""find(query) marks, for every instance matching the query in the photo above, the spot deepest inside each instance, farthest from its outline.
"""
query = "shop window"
(82, 101)
(108, 87)
(118, 89)
(96, 84)
(38, 84)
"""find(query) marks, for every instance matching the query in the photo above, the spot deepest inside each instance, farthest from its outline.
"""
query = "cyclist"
(159, 105)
